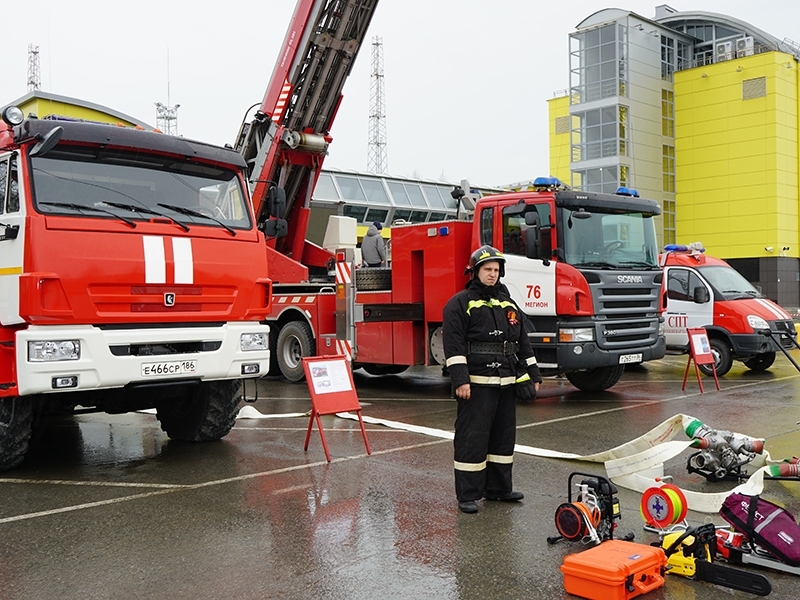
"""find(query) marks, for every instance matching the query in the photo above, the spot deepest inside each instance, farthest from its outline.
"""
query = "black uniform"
(486, 345)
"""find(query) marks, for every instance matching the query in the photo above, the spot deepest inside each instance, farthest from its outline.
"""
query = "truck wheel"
(274, 367)
(294, 342)
(16, 423)
(374, 279)
(206, 412)
(723, 359)
(760, 362)
(596, 380)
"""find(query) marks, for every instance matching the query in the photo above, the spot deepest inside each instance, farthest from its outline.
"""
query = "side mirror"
(276, 202)
(275, 228)
(48, 142)
(700, 295)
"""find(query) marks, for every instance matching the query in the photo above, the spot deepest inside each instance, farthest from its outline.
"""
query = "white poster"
(330, 376)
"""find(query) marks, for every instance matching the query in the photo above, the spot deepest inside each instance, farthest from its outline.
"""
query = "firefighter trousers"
(485, 433)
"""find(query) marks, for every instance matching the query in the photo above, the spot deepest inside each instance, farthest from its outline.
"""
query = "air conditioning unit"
(724, 51)
(745, 46)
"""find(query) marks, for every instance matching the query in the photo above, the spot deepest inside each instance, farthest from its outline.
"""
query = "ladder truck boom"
(286, 142)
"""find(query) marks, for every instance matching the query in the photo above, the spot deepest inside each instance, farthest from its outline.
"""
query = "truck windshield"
(727, 282)
(133, 186)
(593, 238)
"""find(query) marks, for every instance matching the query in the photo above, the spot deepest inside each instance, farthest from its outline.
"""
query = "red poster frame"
(700, 352)
(332, 372)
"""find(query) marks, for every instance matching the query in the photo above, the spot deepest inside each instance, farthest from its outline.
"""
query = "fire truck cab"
(742, 324)
(132, 276)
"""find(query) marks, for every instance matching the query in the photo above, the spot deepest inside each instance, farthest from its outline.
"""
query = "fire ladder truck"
(583, 266)
(284, 146)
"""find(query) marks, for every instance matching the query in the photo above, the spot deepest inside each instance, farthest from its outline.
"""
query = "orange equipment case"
(614, 570)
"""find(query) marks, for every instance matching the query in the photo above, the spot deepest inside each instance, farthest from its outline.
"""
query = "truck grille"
(630, 311)
(785, 330)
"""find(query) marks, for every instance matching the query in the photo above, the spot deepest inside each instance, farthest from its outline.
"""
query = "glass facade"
(598, 63)
(370, 197)
(599, 133)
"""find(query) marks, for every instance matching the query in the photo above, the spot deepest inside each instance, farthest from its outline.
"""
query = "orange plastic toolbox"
(614, 570)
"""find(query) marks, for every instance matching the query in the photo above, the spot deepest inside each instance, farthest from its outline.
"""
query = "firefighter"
(491, 365)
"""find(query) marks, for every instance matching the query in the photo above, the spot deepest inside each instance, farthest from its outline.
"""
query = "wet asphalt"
(108, 507)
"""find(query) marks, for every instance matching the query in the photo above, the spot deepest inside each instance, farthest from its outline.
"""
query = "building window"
(604, 179)
(667, 58)
(561, 125)
(668, 168)
(595, 67)
(600, 133)
(669, 222)
(668, 113)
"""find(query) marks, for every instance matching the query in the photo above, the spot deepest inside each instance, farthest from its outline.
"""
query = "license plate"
(178, 367)
(625, 359)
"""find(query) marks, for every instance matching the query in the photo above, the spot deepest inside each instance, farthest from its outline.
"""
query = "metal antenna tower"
(166, 114)
(34, 80)
(377, 161)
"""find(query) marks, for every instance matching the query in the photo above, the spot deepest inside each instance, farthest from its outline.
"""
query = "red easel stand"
(323, 372)
(698, 335)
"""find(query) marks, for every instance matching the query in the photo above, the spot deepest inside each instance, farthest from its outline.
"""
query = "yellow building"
(699, 111)
(42, 104)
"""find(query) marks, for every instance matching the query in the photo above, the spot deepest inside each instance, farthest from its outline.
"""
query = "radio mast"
(34, 80)
(377, 161)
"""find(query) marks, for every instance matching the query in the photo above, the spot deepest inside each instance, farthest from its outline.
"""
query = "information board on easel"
(699, 352)
(330, 383)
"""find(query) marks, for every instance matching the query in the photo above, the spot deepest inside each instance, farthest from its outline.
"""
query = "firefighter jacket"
(485, 341)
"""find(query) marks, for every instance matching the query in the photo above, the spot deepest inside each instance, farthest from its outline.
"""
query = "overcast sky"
(466, 81)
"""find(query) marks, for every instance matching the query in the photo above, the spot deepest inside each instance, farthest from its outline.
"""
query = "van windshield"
(727, 282)
(99, 183)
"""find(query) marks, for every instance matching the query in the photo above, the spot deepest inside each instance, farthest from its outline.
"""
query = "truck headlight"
(253, 341)
(54, 350)
(757, 322)
(661, 327)
(576, 335)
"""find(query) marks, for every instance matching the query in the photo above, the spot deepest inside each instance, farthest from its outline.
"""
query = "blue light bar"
(547, 182)
(624, 191)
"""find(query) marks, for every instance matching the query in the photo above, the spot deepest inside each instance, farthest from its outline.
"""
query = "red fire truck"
(742, 324)
(583, 265)
(132, 276)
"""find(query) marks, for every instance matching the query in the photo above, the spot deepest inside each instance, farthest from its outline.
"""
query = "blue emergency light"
(625, 191)
(551, 183)
(693, 247)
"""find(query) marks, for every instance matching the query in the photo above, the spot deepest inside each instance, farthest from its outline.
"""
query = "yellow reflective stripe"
(11, 271)
(523, 379)
(473, 467)
(492, 380)
(456, 360)
(500, 458)
(490, 303)
(531, 361)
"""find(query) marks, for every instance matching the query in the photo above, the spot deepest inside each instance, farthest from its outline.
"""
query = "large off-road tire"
(16, 423)
(723, 358)
(294, 342)
(596, 380)
(760, 362)
(373, 279)
(206, 412)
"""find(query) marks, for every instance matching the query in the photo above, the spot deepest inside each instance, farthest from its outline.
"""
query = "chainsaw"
(691, 553)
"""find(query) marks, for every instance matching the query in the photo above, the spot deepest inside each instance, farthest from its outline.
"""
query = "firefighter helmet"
(485, 254)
